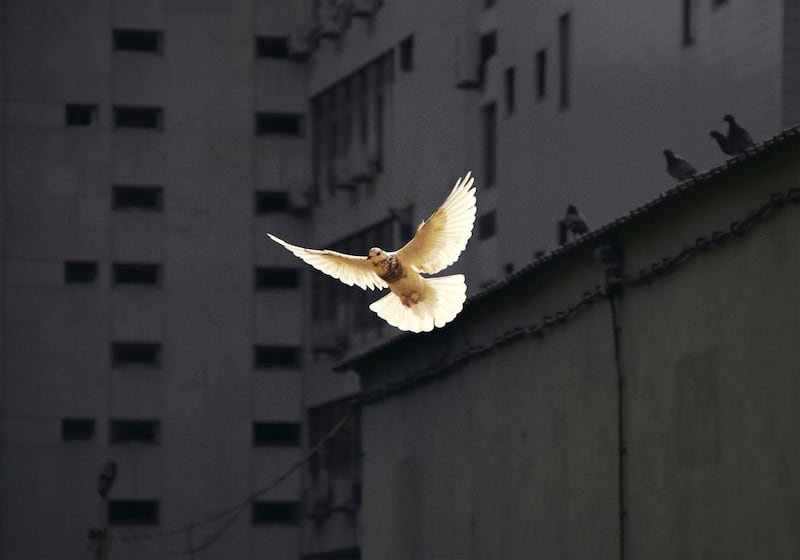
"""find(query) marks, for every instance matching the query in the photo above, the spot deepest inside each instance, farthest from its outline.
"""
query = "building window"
(541, 74)
(80, 272)
(80, 115)
(137, 117)
(272, 47)
(130, 431)
(489, 117)
(267, 513)
(488, 50)
(277, 357)
(487, 225)
(285, 124)
(137, 198)
(272, 201)
(137, 40)
(133, 512)
(135, 353)
(270, 277)
(276, 434)
(77, 429)
(687, 17)
(137, 273)
(564, 42)
(407, 54)
(509, 81)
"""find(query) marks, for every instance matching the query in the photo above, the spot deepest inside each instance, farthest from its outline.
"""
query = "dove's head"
(669, 154)
(377, 256)
(728, 119)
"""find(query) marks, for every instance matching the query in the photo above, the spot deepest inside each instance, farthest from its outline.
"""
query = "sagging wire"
(716, 239)
(232, 512)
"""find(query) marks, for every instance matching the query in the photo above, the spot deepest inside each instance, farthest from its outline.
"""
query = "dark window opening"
(77, 429)
(137, 117)
(487, 225)
(135, 353)
(276, 277)
(137, 198)
(80, 115)
(687, 17)
(541, 73)
(133, 512)
(277, 356)
(271, 201)
(137, 40)
(488, 50)
(272, 47)
(489, 144)
(509, 81)
(80, 272)
(143, 431)
(279, 123)
(407, 54)
(276, 433)
(137, 273)
(564, 41)
(285, 513)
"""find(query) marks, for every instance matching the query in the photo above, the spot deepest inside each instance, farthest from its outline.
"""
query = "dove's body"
(415, 303)
(406, 284)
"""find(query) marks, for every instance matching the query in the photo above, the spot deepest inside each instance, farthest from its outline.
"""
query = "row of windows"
(152, 41)
(86, 115)
(278, 434)
(150, 354)
(150, 274)
(150, 198)
(147, 512)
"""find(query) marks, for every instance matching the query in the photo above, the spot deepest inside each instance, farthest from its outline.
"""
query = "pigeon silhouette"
(573, 223)
(415, 303)
(738, 138)
(677, 166)
(722, 141)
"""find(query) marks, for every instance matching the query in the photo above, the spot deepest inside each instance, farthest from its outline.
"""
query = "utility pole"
(104, 484)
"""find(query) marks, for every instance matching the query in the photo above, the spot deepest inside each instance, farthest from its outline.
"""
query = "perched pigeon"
(416, 303)
(677, 166)
(738, 138)
(573, 223)
(722, 140)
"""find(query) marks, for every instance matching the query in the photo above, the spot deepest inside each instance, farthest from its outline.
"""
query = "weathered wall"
(514, 452)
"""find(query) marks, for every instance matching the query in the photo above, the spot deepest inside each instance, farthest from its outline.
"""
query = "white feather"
(443, 300)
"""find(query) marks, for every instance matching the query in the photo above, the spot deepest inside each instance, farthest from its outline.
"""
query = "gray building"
(148, 146)
(645, 407)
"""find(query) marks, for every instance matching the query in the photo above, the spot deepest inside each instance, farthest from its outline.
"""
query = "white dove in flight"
(416, 303)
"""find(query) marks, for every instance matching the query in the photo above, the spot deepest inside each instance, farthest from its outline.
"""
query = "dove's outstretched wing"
(350, 269)
(441, 238)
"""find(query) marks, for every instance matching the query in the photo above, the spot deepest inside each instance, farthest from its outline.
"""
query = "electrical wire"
(233, 512)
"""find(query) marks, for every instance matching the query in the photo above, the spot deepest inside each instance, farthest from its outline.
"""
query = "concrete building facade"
(147, 147)
(565, 416)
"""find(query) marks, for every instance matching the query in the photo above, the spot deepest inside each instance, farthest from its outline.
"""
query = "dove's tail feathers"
(443, 299)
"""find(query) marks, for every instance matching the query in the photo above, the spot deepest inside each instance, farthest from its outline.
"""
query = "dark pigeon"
(722, 140)
(738, 138)
(573, 223)
(678, 167)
